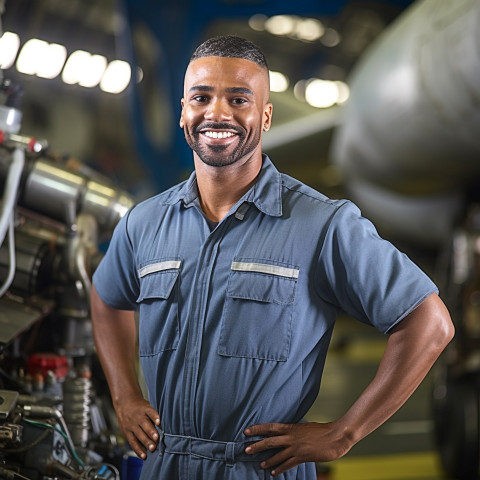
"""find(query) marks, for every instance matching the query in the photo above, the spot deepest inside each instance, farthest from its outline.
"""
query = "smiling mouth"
(218, 134)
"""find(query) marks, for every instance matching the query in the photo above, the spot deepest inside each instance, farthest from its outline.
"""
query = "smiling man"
(239, 274)
(223, 123)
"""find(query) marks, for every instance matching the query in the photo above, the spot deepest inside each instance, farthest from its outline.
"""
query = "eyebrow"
(207, 88)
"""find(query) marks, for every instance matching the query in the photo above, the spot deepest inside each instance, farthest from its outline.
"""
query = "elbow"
(436, 321)
(447, 331)
(444, 328)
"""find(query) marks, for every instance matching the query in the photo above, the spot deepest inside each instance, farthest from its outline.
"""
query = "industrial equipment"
(55, 417)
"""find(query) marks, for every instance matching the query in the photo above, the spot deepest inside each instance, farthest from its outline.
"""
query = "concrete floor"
(403, 448)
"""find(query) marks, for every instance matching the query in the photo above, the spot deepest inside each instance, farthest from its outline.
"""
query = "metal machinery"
(410, 148)
(55, 416)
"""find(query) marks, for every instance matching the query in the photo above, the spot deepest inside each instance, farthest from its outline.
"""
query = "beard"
(216, 155)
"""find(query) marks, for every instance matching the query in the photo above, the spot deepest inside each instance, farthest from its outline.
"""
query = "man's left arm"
(413, 346)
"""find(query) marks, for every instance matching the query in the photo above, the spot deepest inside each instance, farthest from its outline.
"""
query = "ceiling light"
(331, 38)
(280, 25)
(84, 68)
(309, 29)
(343, 92)
(76, 64)
(9, 45)
(257, 22)
(139, 75)
(40, 58)
(52, 61)
(278, 82)
(321, 93)
(117, 77)
(299, 90)
(30, 56)
(91, 77)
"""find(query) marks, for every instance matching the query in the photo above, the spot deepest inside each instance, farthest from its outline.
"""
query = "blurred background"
(376, 101)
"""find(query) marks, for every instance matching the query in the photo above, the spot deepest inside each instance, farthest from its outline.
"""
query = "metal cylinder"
(62, 193)
(76, 408)
(34, 263)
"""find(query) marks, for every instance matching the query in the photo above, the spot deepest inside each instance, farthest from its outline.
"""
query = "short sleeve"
(365, 275)
(115, 278)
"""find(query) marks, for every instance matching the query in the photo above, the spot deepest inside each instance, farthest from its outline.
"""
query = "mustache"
(219, 126)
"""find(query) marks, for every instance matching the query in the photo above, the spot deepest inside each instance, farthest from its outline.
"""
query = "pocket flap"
(158, 279)
(263, 282)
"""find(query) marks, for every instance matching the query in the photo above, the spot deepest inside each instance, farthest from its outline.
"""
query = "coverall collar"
(265, 194)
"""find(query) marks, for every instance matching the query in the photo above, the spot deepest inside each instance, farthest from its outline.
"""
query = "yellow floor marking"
(424, 465)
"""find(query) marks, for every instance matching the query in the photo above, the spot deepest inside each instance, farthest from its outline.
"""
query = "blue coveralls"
(235, 323)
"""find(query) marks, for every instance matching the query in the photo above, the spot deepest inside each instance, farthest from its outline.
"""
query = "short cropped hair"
(230, 46)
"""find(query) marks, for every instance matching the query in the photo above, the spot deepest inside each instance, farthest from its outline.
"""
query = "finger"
(145, 440)
(267, 444)
(267, 429)
(278, 458)
(154, 416)
(139, 449)
(149, 429)
(282, 468)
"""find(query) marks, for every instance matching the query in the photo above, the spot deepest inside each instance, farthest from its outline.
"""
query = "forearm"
(412, 349)
(114, 334)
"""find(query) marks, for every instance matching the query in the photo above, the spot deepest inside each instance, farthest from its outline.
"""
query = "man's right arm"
(115, 334)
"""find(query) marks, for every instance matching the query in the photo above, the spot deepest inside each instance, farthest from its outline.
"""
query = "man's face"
(225, 108)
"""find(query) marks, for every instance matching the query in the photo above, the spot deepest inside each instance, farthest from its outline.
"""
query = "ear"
(182, 102)
(267, 116)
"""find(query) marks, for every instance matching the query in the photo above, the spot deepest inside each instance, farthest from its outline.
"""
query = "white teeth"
(219, 134)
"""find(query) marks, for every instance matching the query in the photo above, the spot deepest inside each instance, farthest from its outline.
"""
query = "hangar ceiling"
(119, 133)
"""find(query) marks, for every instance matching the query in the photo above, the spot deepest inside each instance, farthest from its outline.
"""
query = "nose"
(218, 110)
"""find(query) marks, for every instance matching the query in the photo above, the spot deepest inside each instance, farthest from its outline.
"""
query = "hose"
(7, 212)
(11, 254)
(10, 192)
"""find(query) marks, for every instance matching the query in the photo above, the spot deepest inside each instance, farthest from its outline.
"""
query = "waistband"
(228, 452)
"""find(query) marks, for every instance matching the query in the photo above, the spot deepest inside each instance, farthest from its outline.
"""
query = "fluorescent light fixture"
(280, 24)
(84, 68)
(330, 38)
(309, 29)
(76, 64)
(299, 90)
(257, 22)
(30, 56)
(47, 60)
(321, 93)
(278, 82)
(9, 45)
(343, 92)
(40, 58)
(116, 77)
(91, 76)
(52, 61)
(138, 74)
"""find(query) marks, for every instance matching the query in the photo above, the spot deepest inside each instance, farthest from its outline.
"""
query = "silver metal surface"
(55, 190)
(10, 119)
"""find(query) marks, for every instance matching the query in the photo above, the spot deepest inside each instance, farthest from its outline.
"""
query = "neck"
(221, 187)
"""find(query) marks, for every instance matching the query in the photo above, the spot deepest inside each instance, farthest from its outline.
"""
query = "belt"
(228, 452)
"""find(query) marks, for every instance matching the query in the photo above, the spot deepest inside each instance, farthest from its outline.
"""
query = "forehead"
(226, 72)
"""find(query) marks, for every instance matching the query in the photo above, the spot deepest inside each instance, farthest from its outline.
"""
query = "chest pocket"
(158, 299)
(257, 316)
